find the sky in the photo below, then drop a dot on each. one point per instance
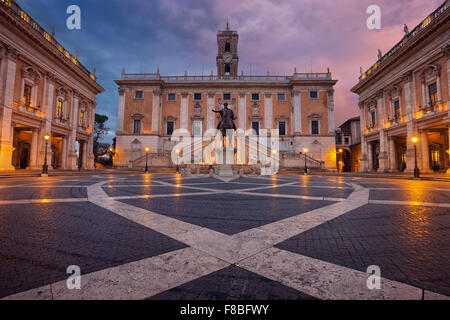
(274, 35)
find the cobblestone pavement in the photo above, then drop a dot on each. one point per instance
(287, 237)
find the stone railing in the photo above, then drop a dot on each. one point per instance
(186, 78)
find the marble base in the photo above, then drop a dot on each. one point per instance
(225, 170)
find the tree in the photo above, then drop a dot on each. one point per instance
(100, 130)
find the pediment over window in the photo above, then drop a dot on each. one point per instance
(61, 92)
(395, 90)
(431, 70)
(282, 119)
(136, 141)
(30, 73)
(170, 119)
(137, 116)
(315, 116)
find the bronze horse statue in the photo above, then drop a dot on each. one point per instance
(227, 119)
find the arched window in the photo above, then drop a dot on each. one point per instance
(227, 47)
(227, 68)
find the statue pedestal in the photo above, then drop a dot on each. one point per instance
(226, 157)
(225, 170)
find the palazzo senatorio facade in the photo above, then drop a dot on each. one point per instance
(405, 95)
(44, 90)
(152, 106)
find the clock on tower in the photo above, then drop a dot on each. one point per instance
(227, 57)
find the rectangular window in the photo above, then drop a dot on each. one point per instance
(338, 139)
(59, 109)
(27, 95)
(346, 140)
(313, 95)
(197, 96)
(171, 97)
(397, 109)
(197, 128)
(82, 115)
(139, 94)
(170, 127)
(281, 97)
(282, 128)
(137, 127)
(372, 118)
(432, 92)
(255, 126)
(227, 96)
(314, 127)
(255, 96)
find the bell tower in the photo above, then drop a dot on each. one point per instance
(227, 57)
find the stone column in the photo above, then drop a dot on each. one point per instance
(331, 125)
(448, 141)
(156, 112)
(383, 157)
(210, 105)
(363, 161)
(90, 164)
(84, 146)
(297, 112)
(425, 153)
(121, 112)
(370, 157)
(6, 138)
(446, 50)
(410, 127)
(48, 111)
(72, 138)
(184, 120)
(64, 153)
(242, 117)
(392, 155)
(268, 111)
(34, 150)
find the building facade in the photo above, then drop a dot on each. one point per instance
(44, 90)
(348, 145)
(152, 106)
(405, 94)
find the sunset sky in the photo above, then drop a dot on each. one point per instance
(275, 36)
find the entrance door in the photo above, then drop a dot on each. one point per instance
(436, 156)
(24, 155)
(401, 156)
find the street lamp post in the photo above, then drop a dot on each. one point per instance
(416, 169)
(341, 160)
(305, 151)
(111, 152)
(146, 159)
(45, 166)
